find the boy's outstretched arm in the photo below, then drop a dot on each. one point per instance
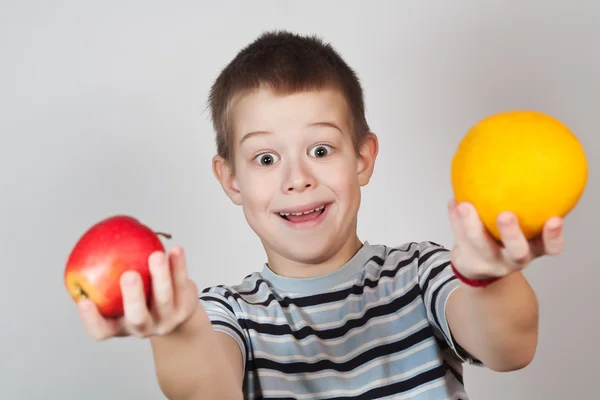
(497, 324)
(197, 362)
(192, 360)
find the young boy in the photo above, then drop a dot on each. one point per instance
(329, 316)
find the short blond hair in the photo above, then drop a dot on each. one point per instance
(285, 63)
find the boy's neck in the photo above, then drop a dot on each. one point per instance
(294, 269)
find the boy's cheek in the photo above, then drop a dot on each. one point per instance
(257, 190)
(343, 177)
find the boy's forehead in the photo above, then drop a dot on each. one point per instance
(265, 109)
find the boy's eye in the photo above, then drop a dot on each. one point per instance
(266, 159)
(320, 151)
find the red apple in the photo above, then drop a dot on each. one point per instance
(109, 248)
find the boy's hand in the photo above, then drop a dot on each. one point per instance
(477, 255)
(174, 301)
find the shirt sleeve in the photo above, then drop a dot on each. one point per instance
(223, 311)
(437, 282)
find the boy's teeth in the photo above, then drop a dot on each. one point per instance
(305, 212)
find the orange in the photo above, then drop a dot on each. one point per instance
(526, 162)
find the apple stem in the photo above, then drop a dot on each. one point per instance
(167, 235)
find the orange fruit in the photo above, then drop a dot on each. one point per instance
(526, 162)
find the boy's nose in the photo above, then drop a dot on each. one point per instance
(299, 178)
(299, 187)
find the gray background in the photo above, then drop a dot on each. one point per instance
(102, 111)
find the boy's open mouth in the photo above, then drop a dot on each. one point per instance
(304, 216)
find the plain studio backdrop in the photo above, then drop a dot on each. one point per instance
(103, 111)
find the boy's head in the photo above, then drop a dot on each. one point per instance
(291, 137)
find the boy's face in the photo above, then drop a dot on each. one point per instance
(294, 154)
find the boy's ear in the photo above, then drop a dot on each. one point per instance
(366, 158)
(226, 178)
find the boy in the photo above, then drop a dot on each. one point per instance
(329, 316)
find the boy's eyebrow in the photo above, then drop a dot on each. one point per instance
(324, 124)
(254, 133)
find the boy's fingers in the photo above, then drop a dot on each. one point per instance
(162, 286)
(516, 247)
(186, 291)
(97, 326)
(179, 272)
(455, 222)
(553, 237)
(137, 315)
(475, 232)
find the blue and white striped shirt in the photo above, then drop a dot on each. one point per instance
(375, 328)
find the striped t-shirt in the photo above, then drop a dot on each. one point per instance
(375, 328)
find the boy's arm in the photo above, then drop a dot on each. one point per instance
(196, 362)
(192, 359)
(497, 324)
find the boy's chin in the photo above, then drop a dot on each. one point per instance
(308, 251)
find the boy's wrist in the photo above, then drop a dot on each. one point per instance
(193, 326)
(197, 322)
(479, 282)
